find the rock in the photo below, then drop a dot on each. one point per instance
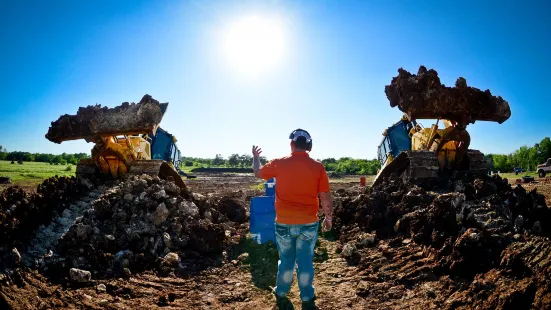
(244, 258)
(170, 202)
(366, 239)
(110, 237)
(83, 231)
(197, 196)
(172, 189)
(172, 259)
(208, 215)
(128, 197)
(16, 256)
(101, 288)
(349, 250)
(519, 221)
(160, 215)
(86, 297)
(189, 208)
(126, 272)
(160, 194)
(362, 289)
(79, 275)
(167, 240)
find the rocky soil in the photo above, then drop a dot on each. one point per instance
(139, 244)
(482, 240)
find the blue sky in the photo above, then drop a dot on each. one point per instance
(339, 55)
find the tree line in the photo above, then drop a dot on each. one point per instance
(233, 161)
(526, 157)
(345, 165)
(61, 159)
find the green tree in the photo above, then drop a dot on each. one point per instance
(3, 153)
(246, 160)
(234, 160)
(218, 160)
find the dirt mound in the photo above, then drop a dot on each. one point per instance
(474, 229)
(144, 223)
(22, 212)
(520, 281)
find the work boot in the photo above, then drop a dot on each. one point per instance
(283, 303)
(309, 305)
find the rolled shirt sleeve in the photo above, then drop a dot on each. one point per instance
(269, 170)
(323, 185)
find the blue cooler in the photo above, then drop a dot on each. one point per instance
(262, 219)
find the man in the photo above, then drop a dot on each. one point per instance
(299, 180)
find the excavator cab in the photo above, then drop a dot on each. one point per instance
(164, 147)
(396, 139)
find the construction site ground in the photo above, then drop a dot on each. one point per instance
(245, 281)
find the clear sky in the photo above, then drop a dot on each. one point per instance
(324, 68)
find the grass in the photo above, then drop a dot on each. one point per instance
(518, 176)
(32, 172)
(187, 169)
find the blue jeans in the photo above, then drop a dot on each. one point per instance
(295, 244)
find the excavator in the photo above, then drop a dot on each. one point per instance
(127, 140)
(417, 154)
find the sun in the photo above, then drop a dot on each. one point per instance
(254, 44)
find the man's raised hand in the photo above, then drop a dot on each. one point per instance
(256, 151)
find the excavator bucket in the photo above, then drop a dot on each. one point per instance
(422, 96)
(92, 121)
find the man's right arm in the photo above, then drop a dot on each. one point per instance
(325, 195)
(327, 205)
(256, 166)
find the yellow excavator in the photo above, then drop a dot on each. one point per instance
(416, 153)
(127, 140)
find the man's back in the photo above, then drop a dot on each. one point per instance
(299, 179)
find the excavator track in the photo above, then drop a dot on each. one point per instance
(415, 166)
(477, 163)
(411, 166)
(86, 168)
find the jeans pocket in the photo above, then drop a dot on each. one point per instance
(309, 232)
(282, 231)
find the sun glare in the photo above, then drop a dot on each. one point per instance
(254, 44)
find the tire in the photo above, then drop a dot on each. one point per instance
(541, 173)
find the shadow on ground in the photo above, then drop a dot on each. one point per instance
(262, 262)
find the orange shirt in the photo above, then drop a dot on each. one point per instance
(299, 179)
